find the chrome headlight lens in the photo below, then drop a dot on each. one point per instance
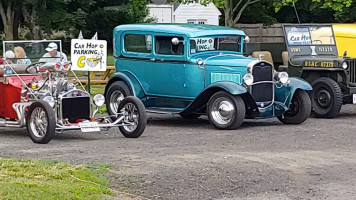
(199, 61)
(49, 100)
(99, 100)
(345, 65)
(248, 79)
(283, 77)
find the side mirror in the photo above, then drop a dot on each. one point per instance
(175, 41)
(247, 39)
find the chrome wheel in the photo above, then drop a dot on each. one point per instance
(39, 122)
(222, 110)
(131, 115)
(115, 99)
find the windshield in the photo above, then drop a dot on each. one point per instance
(205, 44)
(312, 35)
(27, 52)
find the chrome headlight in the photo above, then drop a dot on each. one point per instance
(49, 100)
(199, 61)
(345, 65)
(283, 77)
(248, 79)
(99, 100)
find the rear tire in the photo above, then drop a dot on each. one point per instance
(299, 109)
(326, 97)
(41, 122)
(134, 112)
(226, 111)
(115, 94)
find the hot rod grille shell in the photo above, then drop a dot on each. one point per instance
(76, 108)
(262, 92)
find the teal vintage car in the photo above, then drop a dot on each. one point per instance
(193, 70)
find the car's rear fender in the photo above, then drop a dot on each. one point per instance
(199, 104)
(130, 80)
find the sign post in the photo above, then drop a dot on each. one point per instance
(88, 55)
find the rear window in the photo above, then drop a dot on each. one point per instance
(138, 43)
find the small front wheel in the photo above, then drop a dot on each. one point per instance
(134, 113)
(41, 122)
(226, 111)
(299, 109)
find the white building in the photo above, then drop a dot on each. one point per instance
(162, 13)
(193, 13)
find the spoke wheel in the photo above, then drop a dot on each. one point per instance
(41, 122)
(134, 114)
(115, 95)
(226, 111)
(326, 97)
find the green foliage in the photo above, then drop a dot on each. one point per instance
(338, 6)
(30, 179)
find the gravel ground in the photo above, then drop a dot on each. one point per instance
(189, 159)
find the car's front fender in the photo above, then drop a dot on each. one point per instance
(233, 88)
(285, 93)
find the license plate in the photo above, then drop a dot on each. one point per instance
(354, 98)
(89, 126)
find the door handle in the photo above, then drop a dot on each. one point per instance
(152, 59)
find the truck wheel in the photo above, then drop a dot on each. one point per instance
(226, 111)
(134, 112)
(41, 122)
(115, 94)
(326, 97)
(299, 109)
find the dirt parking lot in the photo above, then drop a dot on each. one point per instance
(188, 159)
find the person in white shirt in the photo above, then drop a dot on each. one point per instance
(53, 55)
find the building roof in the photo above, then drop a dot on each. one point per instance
(197, 9)
(190, 30)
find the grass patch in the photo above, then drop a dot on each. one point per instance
(31, 179)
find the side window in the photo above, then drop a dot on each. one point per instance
(138, 43)
(165, 46)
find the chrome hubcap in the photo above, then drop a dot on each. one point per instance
(131, 115)
(222, 111)
(115, 99)
(39, 122)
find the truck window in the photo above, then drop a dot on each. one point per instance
(138, 43)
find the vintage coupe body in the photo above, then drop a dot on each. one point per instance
(192, 70)
(38, 95)
(313, 56)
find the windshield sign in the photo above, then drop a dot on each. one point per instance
(204, 44)
(313, 35)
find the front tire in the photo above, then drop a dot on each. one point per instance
(326, 97)
(133, 112)
(115, 94)
(41, 122)
(299, 109)
(226, 111)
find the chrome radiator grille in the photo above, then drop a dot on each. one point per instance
(262, 92)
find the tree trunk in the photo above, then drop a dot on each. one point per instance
(7, 16)
(228, 13)
(30, 17)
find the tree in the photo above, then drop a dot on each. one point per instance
(233, 9)
(7, 12)
(338, 6)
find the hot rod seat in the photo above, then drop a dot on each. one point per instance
(19, 68)
(267, 55)
(285, 58)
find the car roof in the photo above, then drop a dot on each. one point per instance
(190, 30)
